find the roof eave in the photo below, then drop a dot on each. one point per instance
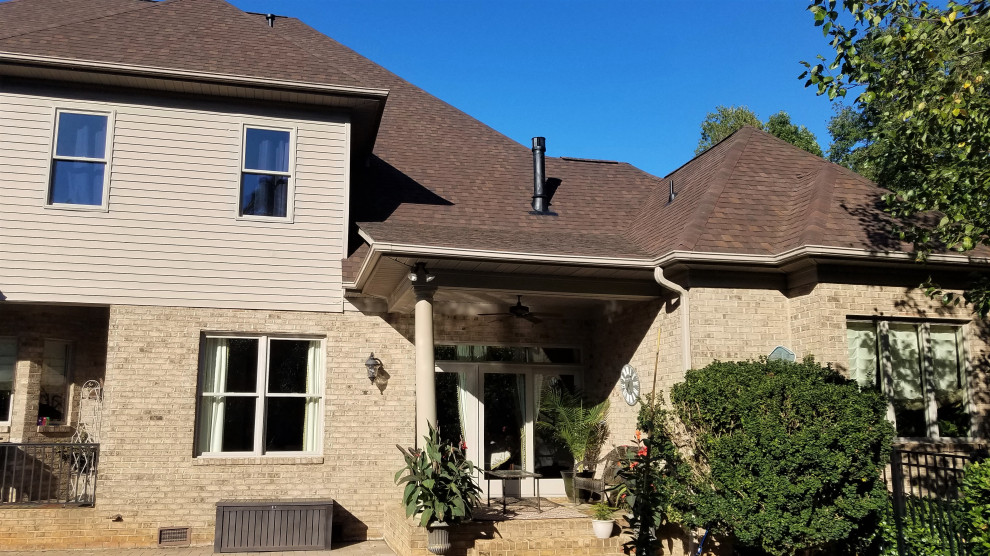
(367, 104)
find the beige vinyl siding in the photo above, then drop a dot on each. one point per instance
(171, 235)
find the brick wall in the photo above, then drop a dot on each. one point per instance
(148, 473)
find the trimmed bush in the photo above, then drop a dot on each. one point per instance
(974, 508)
(790, 454)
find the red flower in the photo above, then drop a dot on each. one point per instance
(642, 451)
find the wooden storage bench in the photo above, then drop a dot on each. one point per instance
(273, 525)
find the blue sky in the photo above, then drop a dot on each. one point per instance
(622, 80)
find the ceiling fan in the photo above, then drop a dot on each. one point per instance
(519, 311)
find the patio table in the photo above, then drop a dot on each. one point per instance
(511, 474)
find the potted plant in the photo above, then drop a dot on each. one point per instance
(440, 488)
(602, 521)
(576, 424)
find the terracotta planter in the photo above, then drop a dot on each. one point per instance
(438, 538)
(603, 527)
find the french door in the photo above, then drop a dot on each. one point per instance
(492, 409)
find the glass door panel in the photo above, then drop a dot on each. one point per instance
(550, 456)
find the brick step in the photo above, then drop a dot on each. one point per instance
(583, 545)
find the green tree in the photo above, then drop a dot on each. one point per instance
(921, 72)
(779, 125)
(725, 120)
(850, 144)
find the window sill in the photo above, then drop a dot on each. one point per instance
(259, 460)
(4, 429)
(82, 208)
(56, 429)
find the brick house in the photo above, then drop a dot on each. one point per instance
(219, 217)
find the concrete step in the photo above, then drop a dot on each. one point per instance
(584, 545)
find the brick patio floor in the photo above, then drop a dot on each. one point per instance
(364, 548)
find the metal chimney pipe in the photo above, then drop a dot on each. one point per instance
(539, 174)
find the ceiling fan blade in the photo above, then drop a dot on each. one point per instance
(531, 318)
(547, 315)
(493, 314)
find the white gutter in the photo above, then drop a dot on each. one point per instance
(168, 73)
(465, 253)
(685, 315)
(806, 251)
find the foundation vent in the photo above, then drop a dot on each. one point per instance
(173, 536)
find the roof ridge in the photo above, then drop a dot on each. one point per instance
(694, 229)
(285, 37)
(399, 80)
(137, 6)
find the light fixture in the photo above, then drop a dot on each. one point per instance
(420, 274)
(373, 364)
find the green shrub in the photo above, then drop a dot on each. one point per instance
(791, 454)
(974, 508)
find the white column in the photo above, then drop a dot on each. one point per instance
(426, 390)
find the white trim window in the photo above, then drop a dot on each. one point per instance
(53, 399)
(8, 359)
(266, 173)
(260, 395)
(921, 367)
(79, 176)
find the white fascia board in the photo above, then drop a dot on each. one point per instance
(168, 73)
(379, 248)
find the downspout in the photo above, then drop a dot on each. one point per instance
(685, 314)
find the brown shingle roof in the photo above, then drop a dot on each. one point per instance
(439, 177)
(192, 35)
(756, 194)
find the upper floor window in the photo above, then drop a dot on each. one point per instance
(260, 395)
(8, 358)
(266, 173)
(925, 382)
(79, 162)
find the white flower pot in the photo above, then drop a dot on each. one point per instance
(603, 527)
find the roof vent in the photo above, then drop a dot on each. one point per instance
(541, 202)
(670, 197)
(270, 18)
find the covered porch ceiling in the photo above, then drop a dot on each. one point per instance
(471, 288)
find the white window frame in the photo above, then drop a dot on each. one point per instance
(884, 371)
(104, 206)
(261, 394)
(67, 392)
(290, 189)
(6, 420)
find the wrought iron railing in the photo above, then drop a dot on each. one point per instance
(52, 473)
(926, 489)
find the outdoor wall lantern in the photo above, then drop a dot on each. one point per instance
(374, 365)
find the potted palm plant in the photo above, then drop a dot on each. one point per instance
(440, 488)
(575, 423)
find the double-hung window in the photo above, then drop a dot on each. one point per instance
(8, 358)
(260, 395)
(921, 368)
(79, 174)
(266, 173)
